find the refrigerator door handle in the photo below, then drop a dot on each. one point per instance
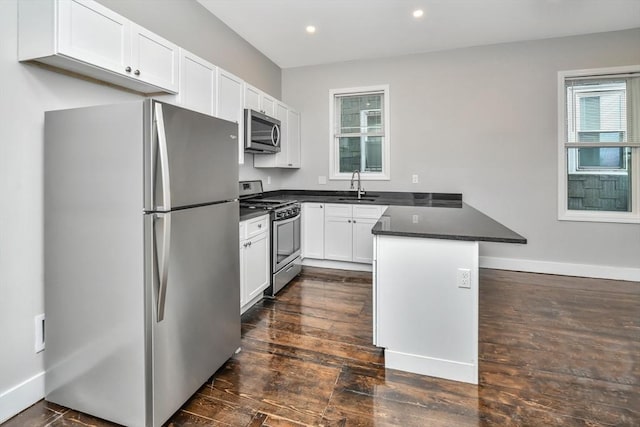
(164, 158)
(163, 265)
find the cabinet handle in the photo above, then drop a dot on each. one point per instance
(136, 72)
(128, 69)
(249, 243)
(259, 225)
(321, 206)
(349, 221)
(354, 221)
(290, 164)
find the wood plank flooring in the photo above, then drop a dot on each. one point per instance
(554, 351)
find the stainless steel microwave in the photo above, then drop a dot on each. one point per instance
(261, 133)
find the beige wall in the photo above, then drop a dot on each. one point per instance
(480, 121)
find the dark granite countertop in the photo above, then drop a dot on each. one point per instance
(462, 223)
(386, 198)
(426, 215)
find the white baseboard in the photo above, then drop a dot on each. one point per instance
(20, 397)
(434, 367)
(562, 268)
(339, 265)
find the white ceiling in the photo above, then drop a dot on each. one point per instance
(358, 29)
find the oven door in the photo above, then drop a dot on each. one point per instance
(286, 241)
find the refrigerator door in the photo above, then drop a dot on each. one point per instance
(194, 317)
(191, 158)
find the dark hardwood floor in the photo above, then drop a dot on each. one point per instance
(554, 351)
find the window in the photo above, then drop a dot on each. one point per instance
(359, 129)
(599, 137)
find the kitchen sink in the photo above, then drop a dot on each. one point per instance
(355, 199)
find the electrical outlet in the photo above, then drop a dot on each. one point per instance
(464, 278)
(268, 180)
(39, 333)
(414, 178)
(322, 180)
(415, 219)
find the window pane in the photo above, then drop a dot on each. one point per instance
(596, 110)
(349, 154)
(607, 158)
(359, 113)
(360, 153)
(598, 190)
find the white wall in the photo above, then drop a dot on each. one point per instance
(479, 121)
(26, 91)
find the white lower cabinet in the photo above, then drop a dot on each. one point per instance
(347, 232)
(313, 230)
(254, 260)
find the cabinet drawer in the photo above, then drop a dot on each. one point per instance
(368, 211)
(257, 226)
(344, 211)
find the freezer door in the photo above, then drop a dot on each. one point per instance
(191, 158)
(194, 315)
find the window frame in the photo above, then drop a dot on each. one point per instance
(334, 151)
(564, 160)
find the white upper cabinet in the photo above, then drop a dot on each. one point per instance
(289, 155)
(293, 139)
(252, 97)
(198, 84)
(258, 100)
(87, 38)
(229, 105)
(154, 59)
(94, 34)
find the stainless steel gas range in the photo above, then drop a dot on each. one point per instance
(286, 262)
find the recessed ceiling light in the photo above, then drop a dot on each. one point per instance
(418, 13)
(311, 29)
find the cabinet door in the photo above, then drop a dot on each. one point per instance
(229, 105)
(337, 238)
(363, 239)
(313, 230)
(256, 264)
(293, 139)
(252, 98)
(281, 113)
(154, 60)
(197, 83)
(268, 105)
(94, 34)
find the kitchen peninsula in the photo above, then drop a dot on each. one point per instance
(424, 250)
(425, 278)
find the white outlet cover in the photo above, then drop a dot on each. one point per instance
(414, 178)
(322, 180)
(463, 278)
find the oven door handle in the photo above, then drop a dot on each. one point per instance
(286, 221)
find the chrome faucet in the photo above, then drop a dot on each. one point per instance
(360, 189)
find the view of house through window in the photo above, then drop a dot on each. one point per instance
(601, 135)
(359, 132)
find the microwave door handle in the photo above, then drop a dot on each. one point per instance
(276, 130)
(164, 159)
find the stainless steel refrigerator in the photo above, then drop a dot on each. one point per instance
(141, 274)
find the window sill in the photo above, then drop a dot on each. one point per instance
(600, 216)
(363, 177)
